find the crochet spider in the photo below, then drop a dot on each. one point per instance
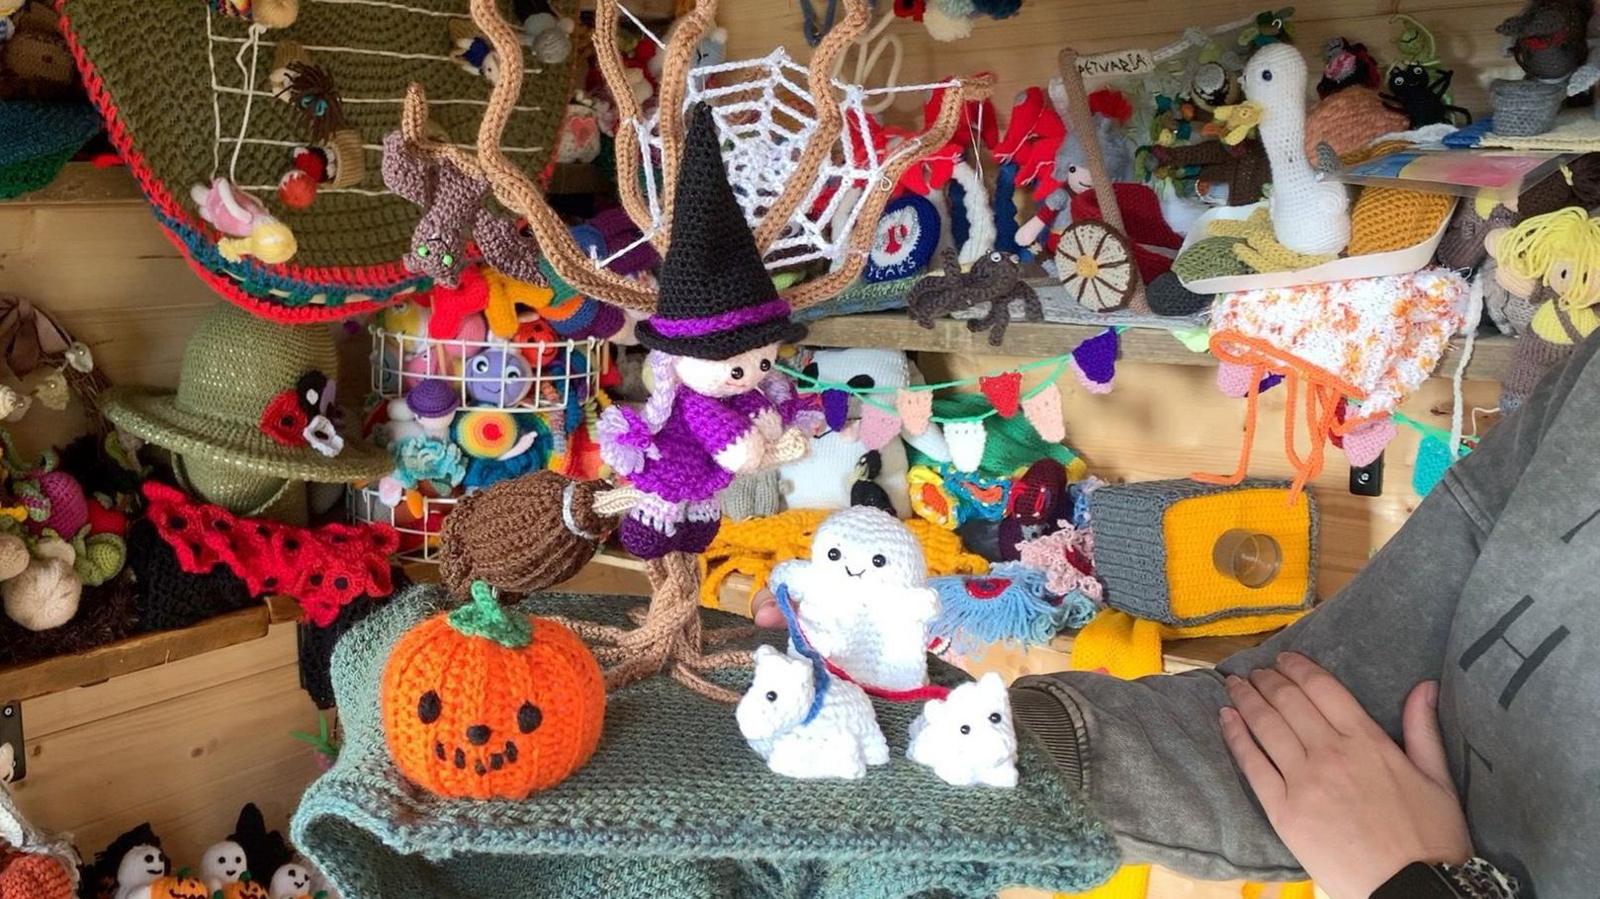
(1420, 97)
(995, 279)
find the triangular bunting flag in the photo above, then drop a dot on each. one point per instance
(915, 408)
(878, 426)
(1095, 361)
(966, 440)
(1004, 391)
(836, 408)
(1043, 411)
(1365, 444)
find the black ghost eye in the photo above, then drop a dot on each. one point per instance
(428, 707)
(878, 561)
(862, 382)
(766, 365)
(994, 717)
(222, 859)
(772, 696)
(966, 729)
(529, 718)
(149, 859)
(811, 371)
(834, 555)
(1266, 74)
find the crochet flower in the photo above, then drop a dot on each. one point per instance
(422, 458)
(1067, 559)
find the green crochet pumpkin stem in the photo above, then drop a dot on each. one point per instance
(484, 617)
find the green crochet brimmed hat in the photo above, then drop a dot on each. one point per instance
(252, 395)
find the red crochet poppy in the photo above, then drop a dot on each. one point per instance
(284, 421)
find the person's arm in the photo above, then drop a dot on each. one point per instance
(1150, 753)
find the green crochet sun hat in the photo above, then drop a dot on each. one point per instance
(236, 368)
(675, 804)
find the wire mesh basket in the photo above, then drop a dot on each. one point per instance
(419, 524)
(535, 376)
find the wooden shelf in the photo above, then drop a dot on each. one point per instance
(1491, 354)
(44, 676)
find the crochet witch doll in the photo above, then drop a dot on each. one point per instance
(718, 407)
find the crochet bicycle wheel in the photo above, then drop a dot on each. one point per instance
(1096, 266)
(187, 95)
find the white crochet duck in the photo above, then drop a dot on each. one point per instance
(864, 600)
(1309, 215)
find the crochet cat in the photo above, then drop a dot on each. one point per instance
(865, 603)
(968, 738)
(800, 735)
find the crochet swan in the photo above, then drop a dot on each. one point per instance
(1309, 215)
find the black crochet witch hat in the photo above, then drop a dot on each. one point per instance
(717, 299)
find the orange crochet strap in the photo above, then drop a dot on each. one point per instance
(1325, 390)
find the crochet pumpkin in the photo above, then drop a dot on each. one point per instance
(488, 703)
(30, 876)
(243, 888)
(179, 886)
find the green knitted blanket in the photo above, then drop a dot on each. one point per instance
(674, 804)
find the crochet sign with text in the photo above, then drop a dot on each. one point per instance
(886, 411)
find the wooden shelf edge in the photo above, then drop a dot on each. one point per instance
(1491, 355)
(34, 679)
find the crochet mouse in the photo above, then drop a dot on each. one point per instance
(968, 738)
(865, 603)
(718, 407)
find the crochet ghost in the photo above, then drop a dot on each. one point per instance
(290, 881)
(140, 867)
(864, 599)
(223, 863)
(968, 738)
(807, 723)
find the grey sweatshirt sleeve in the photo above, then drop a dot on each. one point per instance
(1150, 754)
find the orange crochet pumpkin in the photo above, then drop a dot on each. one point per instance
(484, 703)
(244, 888)
(30, 876)
(179, 886)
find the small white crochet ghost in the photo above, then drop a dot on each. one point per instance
(290, 881)
(782, 721)
(223, 863)
(864, 599)
(967, 738)
(139, 868)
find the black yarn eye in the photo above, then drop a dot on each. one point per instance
(966, 729)
(177, 522)
(737, 373)
(862, 382)
(772, 696)
(994, 717)
(834, 555)
(529, 718)
(429, 707)
(341, 583)
(878, 561)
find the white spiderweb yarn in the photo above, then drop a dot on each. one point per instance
(765, 117)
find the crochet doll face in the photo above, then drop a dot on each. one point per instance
(727, 377)
(140, 866)
(223, 863)
(866, 549)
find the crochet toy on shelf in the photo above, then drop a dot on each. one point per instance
(827, 478)
(806, 723)
(1309, 215)
(864, 598)
(716, 409)
(1547, 259)
(134, 866)
(34, 864)
(968, 738)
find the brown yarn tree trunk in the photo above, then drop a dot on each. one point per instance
(668, 637)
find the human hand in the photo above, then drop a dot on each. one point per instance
(1352, 806)
(764, 610)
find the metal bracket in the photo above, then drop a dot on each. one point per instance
(13, 760)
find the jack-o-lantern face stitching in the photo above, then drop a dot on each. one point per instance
(429, 707)
(529, 718)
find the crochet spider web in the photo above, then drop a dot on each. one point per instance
(765, 117)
